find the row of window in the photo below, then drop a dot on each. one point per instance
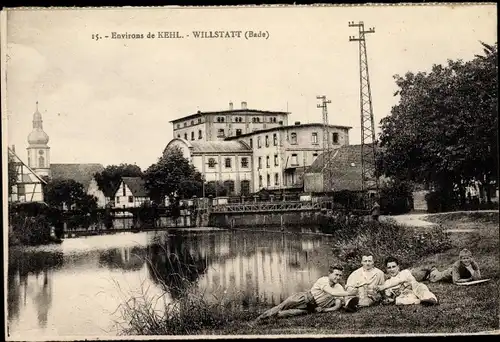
(240, 119)
(268, 164)
(200, 135)
(186, 123)
(293, 139)
(259, 142)
(227, 163)
(268, 178)
(229, 186)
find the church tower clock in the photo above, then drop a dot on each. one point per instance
(38, 151)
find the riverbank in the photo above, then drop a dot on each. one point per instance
(461, 309)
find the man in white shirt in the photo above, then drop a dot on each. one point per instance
(325, 295)
(402, 287)
(364, 281)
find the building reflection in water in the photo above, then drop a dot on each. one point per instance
(248, 268)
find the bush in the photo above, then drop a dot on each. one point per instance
(385, 239)
(440, 201)
(29, 230)
(396, 198)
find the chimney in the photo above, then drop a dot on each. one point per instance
(297, 123)
(243, 105)
(230, 106)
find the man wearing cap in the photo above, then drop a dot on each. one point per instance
(325, 295)
(463, 270)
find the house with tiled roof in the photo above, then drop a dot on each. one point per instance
(343, 166)
(28, 185)
(131, 193)
(83, 174)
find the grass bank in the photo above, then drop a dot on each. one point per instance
(461, 309)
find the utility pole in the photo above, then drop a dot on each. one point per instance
(368, 149)
(327, 186)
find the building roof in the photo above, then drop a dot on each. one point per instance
(229, 111)
(344, 165)
(279, 128)
(218, 146)
(81, 173)
(136, 186)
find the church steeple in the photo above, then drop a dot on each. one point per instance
(38, 151)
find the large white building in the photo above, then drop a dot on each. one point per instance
(247, 150)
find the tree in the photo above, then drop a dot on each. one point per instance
(444, 131)
(109, 179)
(173, 175)
(69, 192)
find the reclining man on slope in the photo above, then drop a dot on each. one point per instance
(402, 288)
(325, 295)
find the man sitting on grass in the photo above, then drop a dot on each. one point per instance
(462, 271)
(364, 281)
(325, 295)
(402, 288)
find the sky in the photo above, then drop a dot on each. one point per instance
(110, 101)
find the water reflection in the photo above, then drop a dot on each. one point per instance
(73, 288)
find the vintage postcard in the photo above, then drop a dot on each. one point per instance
(250, 171)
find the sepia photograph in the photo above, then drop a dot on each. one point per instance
(250, 171)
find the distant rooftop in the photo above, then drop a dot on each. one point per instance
(243, 111)
(276, 128)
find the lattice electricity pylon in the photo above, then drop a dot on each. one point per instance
(368, 149)
(327, 186)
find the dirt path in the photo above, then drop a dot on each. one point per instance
(419, 220)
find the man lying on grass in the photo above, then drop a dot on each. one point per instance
(402, 288)
(364, 280)
(462, 271)
(325, 295)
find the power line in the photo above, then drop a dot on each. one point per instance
(369, 180)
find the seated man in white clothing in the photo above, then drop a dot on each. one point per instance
(364, 281)
(402, 288)
(325, 295)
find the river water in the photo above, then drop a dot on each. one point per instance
(77, 288)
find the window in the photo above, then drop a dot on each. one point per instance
(227, 162)
(185, 124)
(41, 161)
(211, 163)
(130, 199)
(124, 190)
(192, 135)
(275, 139)
(238, 119)
(117, 199)
(21, 189)
(293, 138)
(178, 136)
(276, 179)
(178, 126)
(200, 135)
(314, 138)
(255, 119)
(244, 162)
(294, 160)
(268, 180)
(260, 181)
(267, 141)
(275, 160)
(192, 123)
(315, 155)
(251, 143)
(199, 120)
(238, 132)
(260, 163)
(220, 133)
(267, 161)
(229, 186)
(220, 119)
(259, 145)
(185, 136)
(245, 187)
(335, 138)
